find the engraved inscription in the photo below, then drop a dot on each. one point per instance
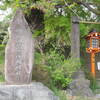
(19, 51)
(19, 45)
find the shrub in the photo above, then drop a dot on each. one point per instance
(62, 76)
(59, 68)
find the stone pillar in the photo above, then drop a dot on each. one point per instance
(75, 38)
(19, 51)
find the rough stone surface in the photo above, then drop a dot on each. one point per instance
(79, 74)
(19, 51)
(33, 91)
(80, 86)
(97, 96)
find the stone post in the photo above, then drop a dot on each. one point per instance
(75, 38)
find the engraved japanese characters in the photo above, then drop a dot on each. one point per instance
(19, 51)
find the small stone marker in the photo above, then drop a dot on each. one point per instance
(19, 51)
(98, 65)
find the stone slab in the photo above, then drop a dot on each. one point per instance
(33, 91)
(19, 51)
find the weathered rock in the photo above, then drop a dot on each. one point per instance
(33, 91)
(80, 87)
(97, 96)
(19, 51)
(78, 74)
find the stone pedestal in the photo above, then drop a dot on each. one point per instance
(33, 91)
(80, 86)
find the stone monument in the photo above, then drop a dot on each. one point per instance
(19, 52)
(18, 65)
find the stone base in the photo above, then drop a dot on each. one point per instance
(33, 91)
(80, 86)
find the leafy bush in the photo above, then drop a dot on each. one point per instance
(59, 78)
(38, 58)
(59, 68)
(62, 76)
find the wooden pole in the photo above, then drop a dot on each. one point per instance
(93, 65)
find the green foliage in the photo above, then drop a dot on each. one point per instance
(54, 59)
(2, 53)
(93, 84)
(58, 30)
(62, 75)
(59, 93)
(38, 58)
(2, 78)
(59, 78)
(71, 65)
(93, 81)
(84, 29)
(57, 27)
(3, 31)
(60, 69)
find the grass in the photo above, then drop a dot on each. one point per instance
(64, 96)
(2, 53)
(61, 94)
(2, 78)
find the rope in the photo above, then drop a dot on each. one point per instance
(86, 22)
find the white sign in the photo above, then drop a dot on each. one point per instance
(98, 65)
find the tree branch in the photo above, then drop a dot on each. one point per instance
(66, 4)
(95, 11)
